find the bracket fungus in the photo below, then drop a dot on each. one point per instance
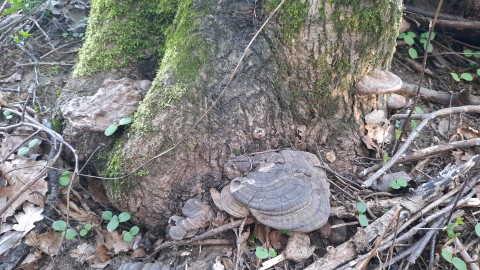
(378, 82)
(284, 190)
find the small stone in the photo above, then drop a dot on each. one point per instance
(395, 102)
(298, 247)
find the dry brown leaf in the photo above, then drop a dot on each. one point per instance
(261, 233)
(468, 132)
(83, 252)
(48, 242)
(278, 240)
(102, 253)
(98, 191)
(114, 241)
(20, 177)
(27, 218)
(138, 253)
(75, 212)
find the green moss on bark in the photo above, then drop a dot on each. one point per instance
(119, 32)
(185, 53)
(291, 16)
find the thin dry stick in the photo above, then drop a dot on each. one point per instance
(465, 256)
(18, 146)
(208, 234)
(422, 74)
(45, 34)
(379, 241)
(427, 152)
(411, 137)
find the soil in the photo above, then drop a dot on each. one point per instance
(52, 77)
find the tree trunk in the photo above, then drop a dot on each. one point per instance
(294, 86)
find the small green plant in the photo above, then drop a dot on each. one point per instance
(409, 39)
(286, 232)
(7, 114)
(16, 5)
(414, 123)
(398, 183)
(114, 221)
(263, 253)
(465, 76)
(451, 228)
(64, 178)
(61, 226)
(112, 128)
(26, 149)
(362, 218)
(457, 262)
(86, 229)
(386, 157)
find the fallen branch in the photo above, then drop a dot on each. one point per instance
(208, 234)
(426, 152)
(413, 134)
(411, 204)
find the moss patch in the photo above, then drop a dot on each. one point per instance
(121, 31)
(291, 16)
(185, 52)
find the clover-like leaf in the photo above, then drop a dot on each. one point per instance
(447, 255)
(468, 53)
(83, 232)
(455, 76)
(402, 182)
(361, 207)
(459, 263)
(467, 76)
(409, 40)
(125, 121)
(414, 124)
(64, 179)
(59, 225)
(88, 226)
(110, 130)
(272, 253)
(411, 34)
(124, 216)
(393, 184)
(127, 237)
(261, 253)
(363, 220)
(7, 113)
(113, 224)
(413, 53)
(107, 215)
(70, 234)
(418, 110)
(34, 143)
(134, 230)
(23, 151)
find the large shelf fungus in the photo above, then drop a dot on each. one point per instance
(284, 190)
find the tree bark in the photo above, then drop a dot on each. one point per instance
(295, 84)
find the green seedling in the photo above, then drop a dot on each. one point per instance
(457, 262)
(464, 76)
(386, 157)
(398, 183)
(362, 218)
(26, 149)
(477, 229)
(263, 253)
(114, 221)
(7, 114)
(86, 229)
(451, 228)
(112, 128)
(409, 39)
(64, 179)
(61, 226)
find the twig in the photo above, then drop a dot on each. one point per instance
(422, 75)
(465, 256)
(203, 236)
(60, 47)
(426, 152)
(45, 34)
(413, 134)
(45, 64)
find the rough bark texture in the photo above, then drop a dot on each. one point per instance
(295, 84)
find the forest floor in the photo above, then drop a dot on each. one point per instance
(38, 55)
